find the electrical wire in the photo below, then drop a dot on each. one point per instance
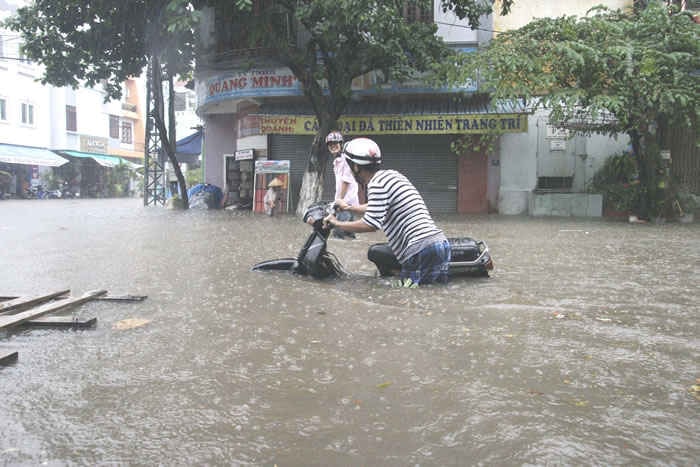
(463, 26)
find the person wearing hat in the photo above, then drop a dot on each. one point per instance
(395, 206)
(272, 195)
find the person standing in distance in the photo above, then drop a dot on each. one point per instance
(345, 184)
(272, 196)
(395, 206)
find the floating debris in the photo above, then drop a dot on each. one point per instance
(130, 323)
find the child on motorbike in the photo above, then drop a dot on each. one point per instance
(345, 184)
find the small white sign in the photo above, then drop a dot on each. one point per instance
(557, 145)
(246, 154)
(556, 133)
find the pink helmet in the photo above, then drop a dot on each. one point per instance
(334, 137)
(362, 151)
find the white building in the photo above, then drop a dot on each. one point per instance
(72, 130)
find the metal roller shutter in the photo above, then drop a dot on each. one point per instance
(429, 163)
(426, 160)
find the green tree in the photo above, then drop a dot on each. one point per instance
(103, 43)
(633, 72)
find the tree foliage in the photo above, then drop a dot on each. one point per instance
(474, 10)
(96, 43)
(633, 72)
(93, 42)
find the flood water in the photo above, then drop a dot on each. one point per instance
(582, 347)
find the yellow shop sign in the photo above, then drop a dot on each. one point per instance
(399, 125)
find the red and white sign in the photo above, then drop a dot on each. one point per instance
(252, 83)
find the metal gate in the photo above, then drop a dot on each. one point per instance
(555, 158)
(427, 161)
(685, 156)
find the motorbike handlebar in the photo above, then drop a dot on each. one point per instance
(315, 214)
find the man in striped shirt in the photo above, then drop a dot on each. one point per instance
(395, 206)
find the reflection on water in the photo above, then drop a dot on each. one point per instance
(581, 348)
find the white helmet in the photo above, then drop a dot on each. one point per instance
(362, 151)
(334, 137)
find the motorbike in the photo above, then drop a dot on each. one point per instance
(470, 257)
(38, 192)
(67, 192)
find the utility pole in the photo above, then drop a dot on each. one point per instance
(153, 173)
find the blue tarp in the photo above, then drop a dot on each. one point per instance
(190, 145)
(205, 196)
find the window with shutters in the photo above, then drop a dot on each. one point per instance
(71, 118)
(114, 126)
(27, 114)
(415, 14)
(127, 137)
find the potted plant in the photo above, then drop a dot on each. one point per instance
(617, 181)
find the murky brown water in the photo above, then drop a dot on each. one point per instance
(580, 349)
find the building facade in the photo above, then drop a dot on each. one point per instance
(546, 171)
(49, 133)
(262, 110)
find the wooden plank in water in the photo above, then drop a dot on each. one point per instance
(109, 298)
(8, 358)
(20, 303)
(19, 318)
(123, 298)
(61, 322)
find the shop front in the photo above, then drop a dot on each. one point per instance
(22, 169)
(265, 111)
(92, 175)
(419, 146)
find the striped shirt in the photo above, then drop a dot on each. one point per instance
(395, 206)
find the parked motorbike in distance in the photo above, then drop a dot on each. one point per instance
(53, 194)
(469, 257)
(36, 192)
(67, 192)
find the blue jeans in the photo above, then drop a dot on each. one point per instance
(429, 265)
(343, 216)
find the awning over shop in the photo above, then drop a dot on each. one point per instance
(103, 159)
(14, 154)
(189, 148)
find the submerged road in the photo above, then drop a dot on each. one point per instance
(581, 349)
